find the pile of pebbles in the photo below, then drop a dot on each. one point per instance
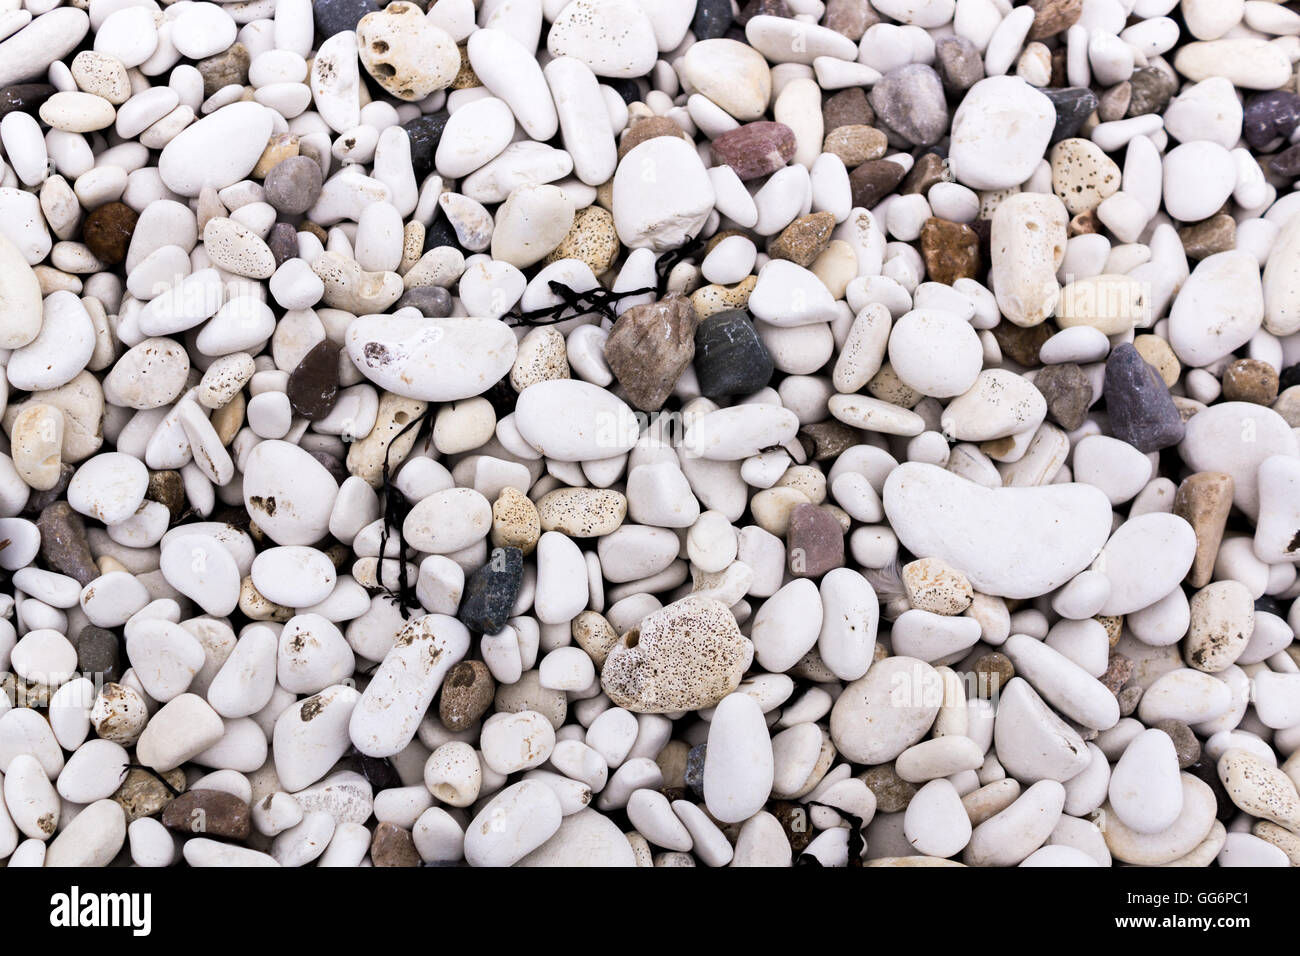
(650, 432)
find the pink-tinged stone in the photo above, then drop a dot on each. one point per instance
(815, 543)
(755, 149)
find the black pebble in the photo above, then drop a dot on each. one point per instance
(1290, 376)
(24, 97)
(625, 88)
(712, 19)
(1073, 105)
(490, 591)
(425, 132)
(695, 769)
(1268, 117)
(341, 16)
(1141, 410)
(729, 357)
(97, 653)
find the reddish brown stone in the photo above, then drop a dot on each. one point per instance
(1053, 16)
(755, 149)
(209, 813)
(392, 846)
(804, 239)
(815, 542)
(951, 250)
(1022, 344)
(874, 180)
(650, 347)
(107, 231)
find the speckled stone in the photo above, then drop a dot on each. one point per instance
(1268, 117)
(712, 19)
(230, 67)
(167, 488)
(755, 149)
(815, 541)
(888, 387)
(931, 585)
(804, 239)
(1204, 500)
(1186, 745)
(854, 145)
(1068, 391)
(891, 791)
(874, 180)
(714, 298)
(1209, 236)
(515, 523)
(98, 653)
(649, 127)
(910, 101)
(467, 693)
(491, 590)
(851, 18)
(582, 512)
(142, 794)
(649, 348)
(694, 775)
(314, 383)
(466, 78)
(1114, 625)
(729, 357)
(594, 634)
(951, 250)
(1250, 380)
(591, 239)
(958, 63)
(293, 185)
(107, 231)
(1118, 670)
(63, 543)
(848, 107)
(392, 845)
(211, 813)
(1138, 402)
(992, 673)
(1073, 104)
(1053, 16)
(826, 440)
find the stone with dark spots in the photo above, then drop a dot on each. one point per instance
(649, 348)
(393, 846)
(283, 243)
(755, 149)
(1068, 391)
(951, 250)
(712, 19)
(695, 769)
(63, 543)
(804, 239)
(293, 185)
(1073, 104)
(425, 132)
(341, 16)
(1141, 410)
(208, 813)
(910, 101)
(958, 63)
(466, 695)
(1268, 117)
(98, 653)
(434, 302)
(490, 591)
(848, 107)
(730, 359)
(143, 793)
(107, 231)
(874, 180)
(24, 97)
(815, 541)
(314, 384)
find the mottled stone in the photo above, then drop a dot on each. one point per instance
(1209, 236)
(210, 813)
(951, 250)
(891, 791)
(1186, 746)
(1138, 402)
(910, 101)
(650, 347)
(851, 18)
(467, 693)
(1053, 16)
(874, 180)
(1118, 670)
(314, 383)
(63, 543)
(815, 541)
(434, 302)
(958, 62)
(848, 107)
(649, 127)
(930, 168)
(143, 794)
(992, 673)
(167, 488)
(826, 440)
(1150, 90)
(855, 145)
(393, 846)
(1268, 117)
(1204, 500)
(107, 231)
(804, 239)
(729, 357)
(755, 149)
(491, 590)
(228, 68)
(515, 522)
(1073, 104)
(293, 185)
(762, 8)
(591, 239)
(694, 775)
(1021, 344)
(1250, 380)
(1068, 391)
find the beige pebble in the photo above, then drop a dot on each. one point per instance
(595, 635)
(366, 456)
(591, 239)
(933, 586)
(542, 357)
(1157, 352)
(37, 441)
(711, 299)
(515, 522)
(582, 512)
(772, 508)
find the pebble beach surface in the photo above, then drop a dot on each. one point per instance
(649, 433)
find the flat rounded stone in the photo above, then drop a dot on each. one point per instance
(218, 150)
(570, 420)
(438, 360)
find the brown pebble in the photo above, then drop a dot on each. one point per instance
(210, 813)
(851, 18)
(1129, 697)
(1204, 500)
(874, 180)
(804, 239)
(1113, 104)
(224, 69)
(848, 107)
(1068, 391)
(993, 671)
(1250, 380)
(815, 541)
(929, 169)
(793, 818)
(1205, 238)
(392, 846)
(107, 231)
(1022, 344)
(892, 792)
(1118, 670)
(166, 487)
(951, 250)
(755, 149)
(142, 794)
(1084, 224)
(317, 231)
(828, 439)
(64, 546)
(314, 384)
(466, 695)
(650, 127)
(1186, 745)
(283, 243)
(1114, 625)
(649, 348)
(1053, 16)
(466, 78)
(855, 144)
